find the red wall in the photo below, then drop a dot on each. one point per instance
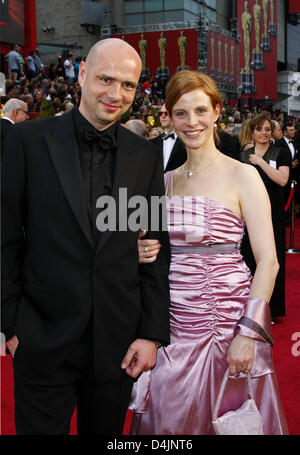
(294, 6)
(172, 50)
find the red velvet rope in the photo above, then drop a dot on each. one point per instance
(289, 199)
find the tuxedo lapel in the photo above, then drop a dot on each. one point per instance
(64, 152)
(128, 163)
(286, 147)
(159, 142)
(177, 157)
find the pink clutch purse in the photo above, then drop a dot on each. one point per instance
(244, 421)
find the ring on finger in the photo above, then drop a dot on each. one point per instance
(146, 249)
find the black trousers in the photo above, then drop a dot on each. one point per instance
(44, 406)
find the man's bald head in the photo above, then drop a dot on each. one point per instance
(110, 45)
(108, 79)
(137, 126)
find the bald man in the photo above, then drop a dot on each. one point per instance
(137, 126)
(82, 319)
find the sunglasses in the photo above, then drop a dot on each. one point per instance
(163, 113)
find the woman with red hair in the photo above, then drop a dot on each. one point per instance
(219, 316)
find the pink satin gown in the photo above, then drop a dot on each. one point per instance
(208, 294)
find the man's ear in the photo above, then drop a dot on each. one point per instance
(81, 73)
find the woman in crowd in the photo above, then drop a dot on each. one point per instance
(245, 136)
(272, 164)
(213, 297)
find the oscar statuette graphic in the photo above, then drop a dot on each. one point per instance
(213, 70)
(266, 45)
(247, 74)
(226, 79)
(220, 75)
(143, 44)
(182, 43)
(163, 70)
(257, 55)
(272, 25)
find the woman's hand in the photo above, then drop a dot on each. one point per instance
(240, 355)
(255, 159)
(148, 249)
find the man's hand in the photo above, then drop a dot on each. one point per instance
(141, 356)
(12, 345)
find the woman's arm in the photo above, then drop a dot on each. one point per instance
(279, 176)
(148, 249)
(256, 211)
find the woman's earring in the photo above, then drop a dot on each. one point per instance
(215, 125)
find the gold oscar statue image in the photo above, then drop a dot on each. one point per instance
(272, 25)
(257, 55)
(266, 45)
(163, 70)
(220, 72)
(247, 75)
(182, 44)
(213, 69)
(143, 44)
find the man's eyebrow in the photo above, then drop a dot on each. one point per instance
(107, 76)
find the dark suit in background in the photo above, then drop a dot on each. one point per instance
(178, 154)
(294, 172)
(229, 145)
(5, 126)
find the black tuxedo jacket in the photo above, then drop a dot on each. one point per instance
(178, 154)
(294, 172)
(53, 277)
(5, 126)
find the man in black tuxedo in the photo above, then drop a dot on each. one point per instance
(170, 146)
(288, 145)
(14, 111)
(81, 317)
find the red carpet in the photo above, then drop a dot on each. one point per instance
(286, 356)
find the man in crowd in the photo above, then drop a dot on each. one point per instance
(277, 133)
(14, 63)
(31, 68)
(69, 69)
(14, 111)
(171, 147)
(40, 67)
(287, 144)
(81, 317)
(137, 126)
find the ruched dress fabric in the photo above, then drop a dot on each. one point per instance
(208, 296)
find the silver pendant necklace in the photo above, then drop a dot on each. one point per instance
(189, 173)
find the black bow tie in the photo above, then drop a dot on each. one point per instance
(172, 135)
(291, 142)
(90, 135)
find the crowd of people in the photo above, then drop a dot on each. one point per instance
(83, 324)
(54, 90)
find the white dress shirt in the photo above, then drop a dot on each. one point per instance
(291, 146)
(9, 119)
(168, 145)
